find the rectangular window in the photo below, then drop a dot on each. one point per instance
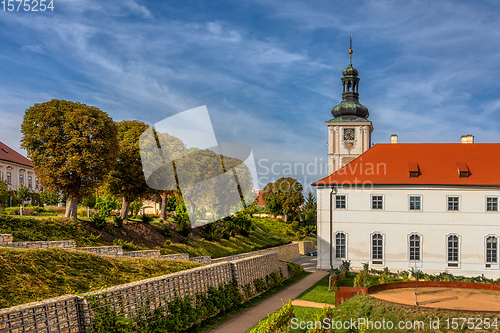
(377, 246)
(415, 202)
(415, 247)
(453, 203)
(453, 251)
(492, 204)
(9, 178)
(30, 182)
(491, 249)
(340, 245)
(340, 202)
(377, 202)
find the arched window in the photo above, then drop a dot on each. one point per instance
(340, 245)
(21, 180)
(453, 250)
(491, 249)
(414, 244)
(377, 246)
(9, 178)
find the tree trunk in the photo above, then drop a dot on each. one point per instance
(71, 208)
(125, 209)
(163, 211)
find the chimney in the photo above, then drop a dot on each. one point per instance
(469, 138)
(394, 138)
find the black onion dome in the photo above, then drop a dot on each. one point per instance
(350, 105)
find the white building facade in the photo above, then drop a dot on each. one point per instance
(432, 207)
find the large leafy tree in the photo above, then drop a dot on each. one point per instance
(127, 178)
(284, 196)
(72, 146)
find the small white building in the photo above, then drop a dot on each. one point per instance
(428, 206)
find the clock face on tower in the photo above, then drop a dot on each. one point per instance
(349, 134)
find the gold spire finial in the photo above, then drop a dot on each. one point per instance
(350, 50)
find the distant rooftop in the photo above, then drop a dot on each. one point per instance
(10, 155)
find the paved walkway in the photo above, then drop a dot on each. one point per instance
(309, 304)
(247, 319)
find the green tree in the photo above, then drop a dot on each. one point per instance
(72, 146)
(49, 198)
(284, 196)
(4, 193)
(309, 210)
(23, 193)
(127, 178)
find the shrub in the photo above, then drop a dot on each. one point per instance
(118, 221)
(146, 218)
(98, 221)
(25, 212)
(184, 228)
(294, 269)
(185, 241)
(276, 322)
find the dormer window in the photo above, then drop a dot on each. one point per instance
(414, 170)
(463, 170)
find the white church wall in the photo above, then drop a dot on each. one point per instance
(472, 223)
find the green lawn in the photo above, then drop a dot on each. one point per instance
(319, 293)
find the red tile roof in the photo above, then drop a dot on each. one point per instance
(437, 163)
(10, 155)
(260, 200)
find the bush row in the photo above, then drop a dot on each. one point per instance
(180, 314)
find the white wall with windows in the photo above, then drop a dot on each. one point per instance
(432, 228)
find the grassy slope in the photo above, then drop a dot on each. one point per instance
(47, 229)
(36, 274)
(225, 247)
(280, 229)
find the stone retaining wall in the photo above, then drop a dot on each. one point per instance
(68, 245)
(177, 256)
(205, 260)
(72, 314)
(5, 238)
(155, 254)
(112, 251)
(305, 247)
(287, 252)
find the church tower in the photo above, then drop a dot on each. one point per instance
(349, 132)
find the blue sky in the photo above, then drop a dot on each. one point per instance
(268, 71)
